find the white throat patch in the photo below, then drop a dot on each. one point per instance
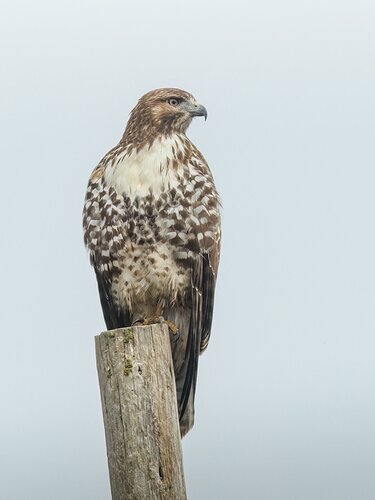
(149, 170)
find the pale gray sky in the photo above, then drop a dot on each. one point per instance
(286, 400)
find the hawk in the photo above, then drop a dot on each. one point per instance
(151, 224)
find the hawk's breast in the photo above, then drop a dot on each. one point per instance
(151, 183)
(152, 213)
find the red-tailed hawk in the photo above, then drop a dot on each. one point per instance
(152, 226)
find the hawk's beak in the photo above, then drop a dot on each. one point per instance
(195, 109)
(199, 110)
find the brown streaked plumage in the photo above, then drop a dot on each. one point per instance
(152, 226)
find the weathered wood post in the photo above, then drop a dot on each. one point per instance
(140, 414)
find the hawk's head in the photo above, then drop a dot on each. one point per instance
(162, 111)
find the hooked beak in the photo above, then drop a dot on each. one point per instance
(196, 109)
(199, 110)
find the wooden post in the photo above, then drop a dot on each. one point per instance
(140, 414)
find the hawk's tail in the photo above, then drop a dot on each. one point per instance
(185, 366)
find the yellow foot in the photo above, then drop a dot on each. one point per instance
(149, 321)
(157, 319)
(173, 328)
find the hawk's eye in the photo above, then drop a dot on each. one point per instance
(174, 101)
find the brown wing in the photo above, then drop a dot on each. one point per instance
(103, 236)
(210, 266)
(203, 282)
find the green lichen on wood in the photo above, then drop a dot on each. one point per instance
(128, 335)
(128, 366)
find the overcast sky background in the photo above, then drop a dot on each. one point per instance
(286, 402)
